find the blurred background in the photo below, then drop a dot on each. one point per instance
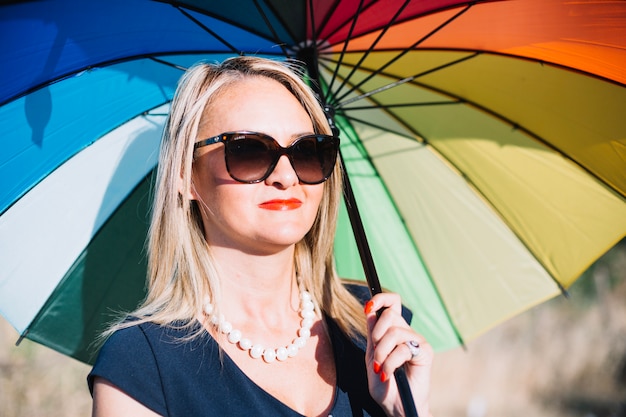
(566, 357)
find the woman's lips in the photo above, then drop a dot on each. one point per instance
(281, 205)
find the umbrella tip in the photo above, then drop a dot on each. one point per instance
(22, 337)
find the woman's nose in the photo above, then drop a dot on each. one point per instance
(283, 175)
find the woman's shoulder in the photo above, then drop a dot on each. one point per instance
(144, 358)
(139, 341)
(358, 289)
(148, 337)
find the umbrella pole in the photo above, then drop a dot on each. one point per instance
(373, 282)
(406, 396)
(359, 233)
(308, 56)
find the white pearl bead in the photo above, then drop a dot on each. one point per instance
(304, 332)
(292, 350)
(307, 323)
(307, 314)
(234, 336)
(305, 296)
(299, 342)
(308, 306)
(215, 320)
(208, 308)
(269, 355)
(245, 344)
(281, 354)
(256, 351)
(225, 327)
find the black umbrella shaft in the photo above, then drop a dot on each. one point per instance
(359, 233)
(308, 55)
(406, 396)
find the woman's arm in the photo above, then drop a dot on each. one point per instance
(110, 401)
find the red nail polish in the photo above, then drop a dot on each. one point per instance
(376, 367)
(383, 377)
(368, 306)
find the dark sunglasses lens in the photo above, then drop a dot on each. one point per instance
(249, 159)
(314, 157)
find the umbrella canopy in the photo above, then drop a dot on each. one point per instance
(485, 142)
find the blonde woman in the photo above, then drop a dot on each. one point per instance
(245, 315)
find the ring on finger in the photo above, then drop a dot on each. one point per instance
(414, 348)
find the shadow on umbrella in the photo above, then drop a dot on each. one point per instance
(107, 278)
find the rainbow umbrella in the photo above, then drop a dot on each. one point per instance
(485, 143)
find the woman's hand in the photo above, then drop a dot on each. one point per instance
(387, 350)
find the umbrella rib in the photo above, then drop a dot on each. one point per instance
(376, 126)
(209, 31)
(110, 62)
(345, 22)
(343, 51)
(169, 64)
(381, 128)
(415, 104)
(315, 41)
(403, 80)
(406, 50)
(313, 28)
(307, 54)
(271, 28)
(328, 15)
(370, 49)
(222, 17)
(417, 135)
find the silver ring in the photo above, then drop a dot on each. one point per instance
(414, 348)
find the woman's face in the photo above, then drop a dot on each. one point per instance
(257, 218)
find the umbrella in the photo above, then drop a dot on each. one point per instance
(484, 140)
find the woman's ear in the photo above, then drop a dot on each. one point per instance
(190, 194)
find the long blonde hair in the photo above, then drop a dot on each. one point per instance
(180, 268)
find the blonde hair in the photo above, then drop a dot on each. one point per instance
(180, 268)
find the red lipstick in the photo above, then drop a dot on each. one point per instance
(281, 205)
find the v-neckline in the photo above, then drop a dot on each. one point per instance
(229, 361)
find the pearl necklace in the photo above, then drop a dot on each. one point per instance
(234, 336)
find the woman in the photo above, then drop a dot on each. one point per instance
(245, 314)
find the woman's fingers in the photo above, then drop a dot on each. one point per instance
(393, 349)
(392, 343)
(385, 321)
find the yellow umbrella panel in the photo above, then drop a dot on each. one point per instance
(508, 190)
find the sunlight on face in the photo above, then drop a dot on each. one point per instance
(270, 215)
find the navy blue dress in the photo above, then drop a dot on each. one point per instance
(178, 378)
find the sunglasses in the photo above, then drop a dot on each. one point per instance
(251, 157)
